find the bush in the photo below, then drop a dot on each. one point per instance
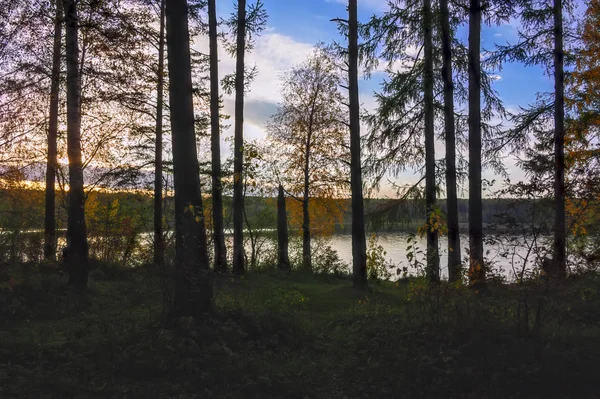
(377, 265)
(114, 230)
(107, 271)
(17, 246)
(326, 260)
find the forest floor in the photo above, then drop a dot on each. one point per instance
(277, 335)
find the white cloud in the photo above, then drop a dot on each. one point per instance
(399, 65)
(373, 5)
(395, 66)
(273, 54)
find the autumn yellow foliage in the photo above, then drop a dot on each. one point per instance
(582, 142)
(325, 214)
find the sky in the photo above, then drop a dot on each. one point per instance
(295, 26)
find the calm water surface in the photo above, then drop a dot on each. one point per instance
(508, 255)
(505, 253)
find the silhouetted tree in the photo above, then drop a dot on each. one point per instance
(50, 239)
(77, 245)
(244, 24)
(406, 104)
(542, 42)
(220, 259)
(433, 259)
(560, 230)
(238, 161)
(283, 260)
(454, 250)
(359, 244)
(193, 291)
(159, 240)
(476, 265)
(27, 63)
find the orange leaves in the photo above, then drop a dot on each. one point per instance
(576, 211)
(582, 141)
(309, 136)
(585, 79)
(435, 222)
(325, 214)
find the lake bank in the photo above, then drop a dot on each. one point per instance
(506, 254)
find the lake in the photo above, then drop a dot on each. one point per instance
(505, 252)
(508, 254)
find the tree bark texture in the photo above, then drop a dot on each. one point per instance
(359, 245)
(50, 239)
(220, 258)
(193, 291)
(238, 145)
(76, 253)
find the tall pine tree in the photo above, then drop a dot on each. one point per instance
(193, 290)
(77, 245)
(220, 258)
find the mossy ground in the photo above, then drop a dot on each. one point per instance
(277, 335)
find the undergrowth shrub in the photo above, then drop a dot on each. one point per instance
(18, 246)
(378, 267)
(326, 260)
(30, 290)
(108, 271)
(265, 259)
(114, 230)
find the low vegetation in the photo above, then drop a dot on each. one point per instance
(296, 335)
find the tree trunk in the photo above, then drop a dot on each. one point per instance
(476, 266)
(220, 259)
(306, 255)
(282, 232)
(454, 259)
(238, 160)
(193, 291)
(50, 240)
(559, 144)
(159, 243)
(359, 244)
(433, 261)
(253, 246)
(77, 245)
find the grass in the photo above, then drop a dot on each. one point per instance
(296, 335)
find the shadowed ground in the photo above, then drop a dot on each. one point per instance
(298, 336)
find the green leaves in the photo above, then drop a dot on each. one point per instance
(378, 267)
